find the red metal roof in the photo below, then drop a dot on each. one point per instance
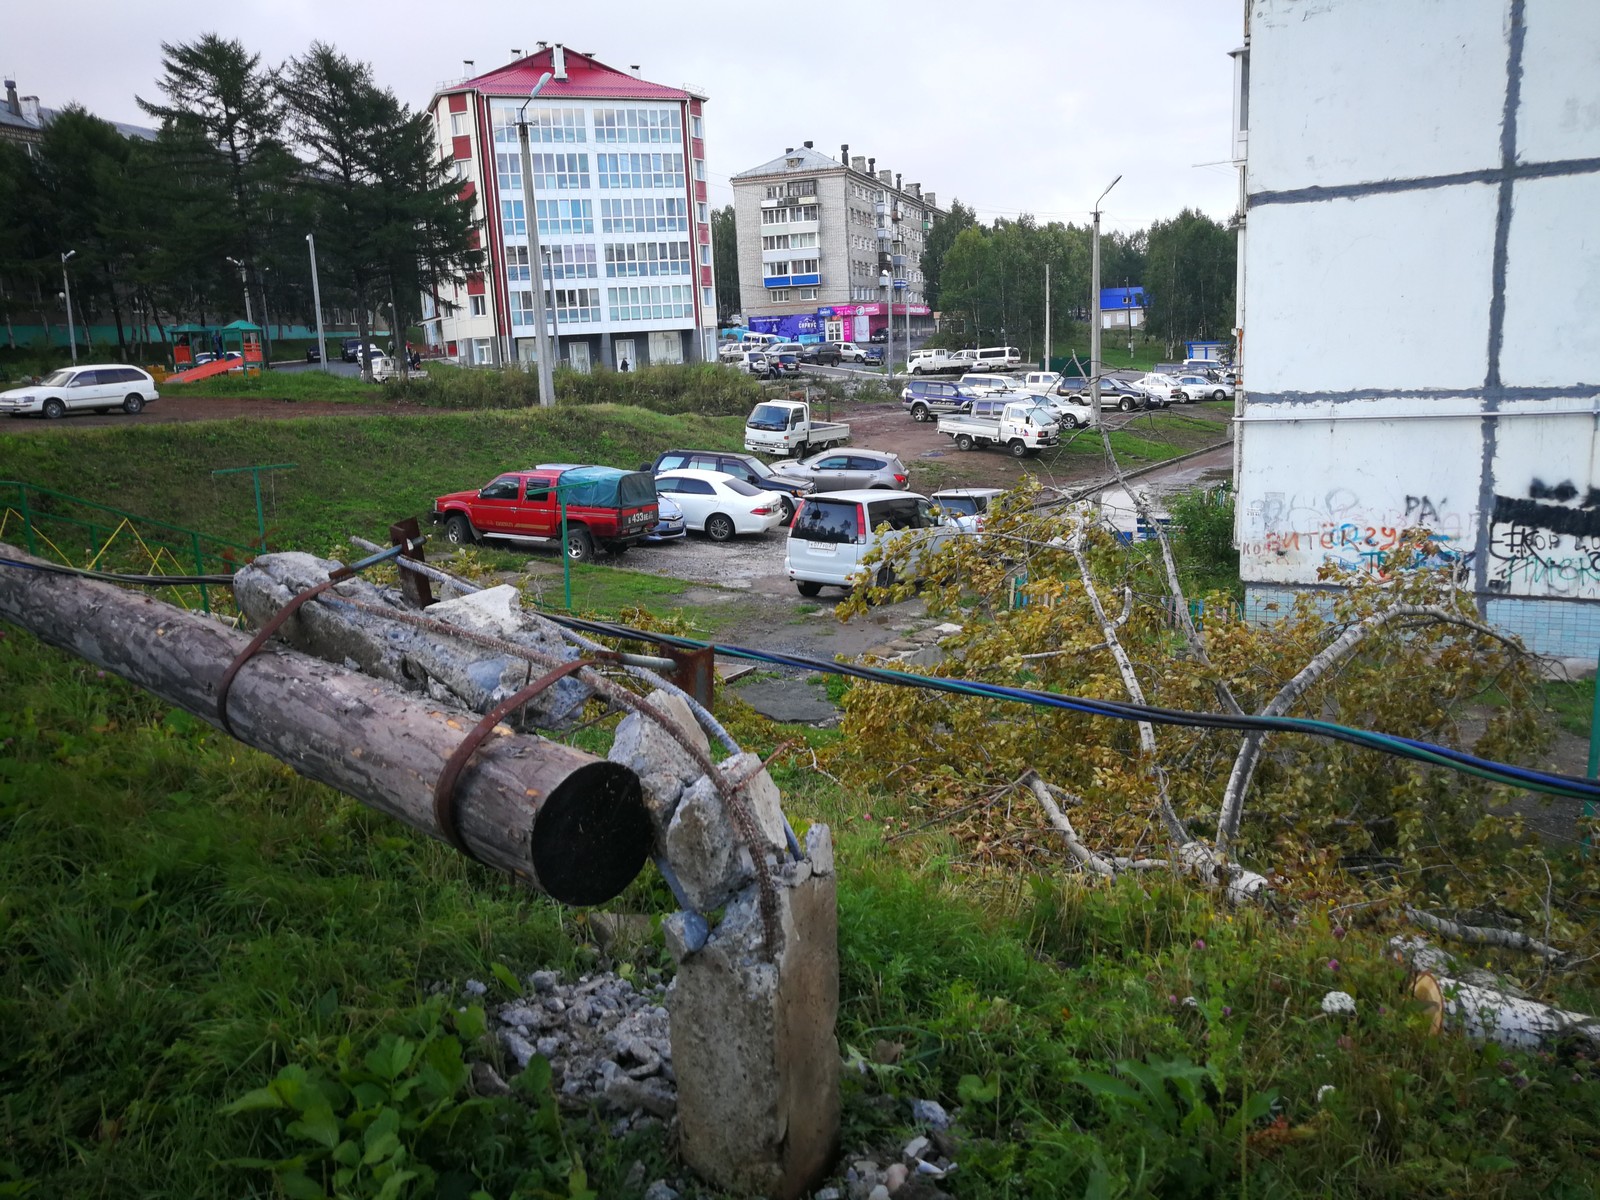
(586, 77)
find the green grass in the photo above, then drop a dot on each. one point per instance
(288, 386)
(353, 475)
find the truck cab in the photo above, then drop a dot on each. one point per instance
(786, 428)
(603, 507)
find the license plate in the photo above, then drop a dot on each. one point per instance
(827, 548)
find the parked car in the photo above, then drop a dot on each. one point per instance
(849, 351)
(934, 362)
(966, 507)
(92, 388)
(751, 362)
(787, 427)
(834, 469)
(313, 354)
(822, 353)
(783, 348)
(872, 356)
(1162, 389)
(878, 337)
(731, 351)
(350, 348)
(719, 505)
(1023, 426)
(989, 358)
(1071, 400)
(604, 506)
(782, 363)
(741, 466)
(834, 531)
(669, 526)
(1201, 387)
(989, 384)
(923, 398)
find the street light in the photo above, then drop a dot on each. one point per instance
(887, 284)
(245, 280)
(1094, 313)
(316, 299)
(66, 291)
(555, 309)
(547, 387)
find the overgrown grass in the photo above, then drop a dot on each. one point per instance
(288, 386)
(353, 474)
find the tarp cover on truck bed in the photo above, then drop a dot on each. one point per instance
(607, 487)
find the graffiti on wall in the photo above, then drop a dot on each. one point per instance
(1546, 543)
(1336, 527)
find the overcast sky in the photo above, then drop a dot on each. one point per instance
(1010, 106)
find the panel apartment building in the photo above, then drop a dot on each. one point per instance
(814, 236)
(1420, 274)
(619, 172)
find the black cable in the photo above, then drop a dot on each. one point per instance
(114, 577)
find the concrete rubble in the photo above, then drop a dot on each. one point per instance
(417, 660)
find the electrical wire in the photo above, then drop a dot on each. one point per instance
(1408, 748)
(1552, 783)
(114, 577)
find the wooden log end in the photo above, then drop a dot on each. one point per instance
(592, 834)
(1426, 989)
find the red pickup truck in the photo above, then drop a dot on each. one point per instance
(605, 507)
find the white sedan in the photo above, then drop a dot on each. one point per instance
(719, 505)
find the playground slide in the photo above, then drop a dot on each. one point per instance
(220, 367)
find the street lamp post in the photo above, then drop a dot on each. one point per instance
(555, 309)
(547, 388)
(886, 282)
(1094, 314)
(66, 291)
(316, 299)
(245, 280)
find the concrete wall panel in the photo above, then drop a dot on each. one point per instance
(1552, 325)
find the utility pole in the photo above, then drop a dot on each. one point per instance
(555, 310)
(316, 299)
(66, 291)
(244, 279)
(547, 388)
(1047, 316)
(1095, 368)
(886, 282)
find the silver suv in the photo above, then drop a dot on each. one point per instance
(839, 470)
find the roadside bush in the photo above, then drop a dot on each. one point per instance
(684, 388)
(1202, 526)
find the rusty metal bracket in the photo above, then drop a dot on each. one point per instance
(696, 672)
(271, 627)
(407, 534)
(444, 791)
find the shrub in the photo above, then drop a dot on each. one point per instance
(682, 388)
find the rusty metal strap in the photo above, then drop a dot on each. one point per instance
(274, 623)
(444, 791)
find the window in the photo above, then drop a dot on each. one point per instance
(669, 215)
(632, 259)
(460, 124)
(700, 169)
(705, 255)
(521, 307)
(639, 171)
(517, 265)
(544, 124)
(508, 167)
(563, 216)
(513, 218)
(638, 125)
(577, 304)
(778, 295)
(696, 487)
(702, 212)
(558, 172)
(478, 305)
(570, 262)
(507, 487)
(806, 293)
(708, 298)
(801, 187)
(825, 520)
(650, 303)
(482, 351)
(697, 127)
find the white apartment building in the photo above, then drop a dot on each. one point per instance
(814, 236)
(1420, 267)
(619, 173)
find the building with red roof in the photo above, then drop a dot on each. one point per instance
(624, 223)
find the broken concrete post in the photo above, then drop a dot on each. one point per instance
(418, 660)
(658, 756)
(753, 1041)
(702, 844)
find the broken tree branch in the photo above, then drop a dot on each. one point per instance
(1483, 935)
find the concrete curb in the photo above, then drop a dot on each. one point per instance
(1140, 472)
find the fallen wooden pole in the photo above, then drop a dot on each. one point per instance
(572, 825)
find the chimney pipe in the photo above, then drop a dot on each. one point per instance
(858, 163)
(12, 106)
(897, 181)
(872, 166)
(788, 149)
(558, 58)
(808, 145)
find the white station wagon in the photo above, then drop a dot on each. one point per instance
(95, 388)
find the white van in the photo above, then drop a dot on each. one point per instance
(761, 339)
(991, 385)
(990, 358)
(834, 531)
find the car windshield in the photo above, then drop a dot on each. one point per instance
(965, 505)
(769, 416)
(56, 379)
(758, 468)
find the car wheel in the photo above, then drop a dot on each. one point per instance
(458, 530)
(1069, 420)
(1018, 448)
(963, 441)
(801, 450)
(133, 404)
(919, 412)
(719, 527)
(787, 510)
(1219, 394)
(580, 546)
(885, 578)
(1125, 404)
(808, 589)
(916, 370)
(54, 409)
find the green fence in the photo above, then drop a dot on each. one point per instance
(82, 533)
